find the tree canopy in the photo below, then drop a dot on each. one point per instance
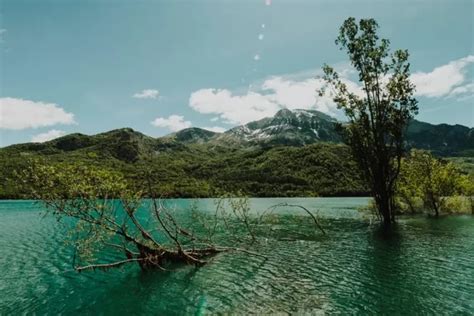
(378, 114)
(429, 184)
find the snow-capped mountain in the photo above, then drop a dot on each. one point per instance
(302, 127)
(297, 127)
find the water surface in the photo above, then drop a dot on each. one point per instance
(425, 266)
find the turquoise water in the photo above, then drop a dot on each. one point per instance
(425, 266)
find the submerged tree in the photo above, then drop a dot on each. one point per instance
(429, 180)
(467, 187)
(108, 216)
(113, 224)
(377, 115)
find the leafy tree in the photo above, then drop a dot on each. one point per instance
(377, 116)
(408, 189)
(467, 188)
(430, 180)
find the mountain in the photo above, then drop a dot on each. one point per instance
(292, 128)
(303, 127)
(442, 139)
(294, 153)
(194, 170)
(192, 135)
(123, 144)
(285, 128)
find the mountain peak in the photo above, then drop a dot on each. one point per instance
(288, 127)
(284, 113)
(125, 132)
(192, 135)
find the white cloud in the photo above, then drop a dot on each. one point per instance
(464, 89)
(260, 36)
(443, 80)
(301, 94)
(20, 114)
(174, 123)
(216, 129)
(147, 94)
(272, 95)
(256, 57)
(299, 91)
(49, 135)
(232, 108)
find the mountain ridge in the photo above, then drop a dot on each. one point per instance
(285, 128)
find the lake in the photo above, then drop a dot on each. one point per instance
(425, 266)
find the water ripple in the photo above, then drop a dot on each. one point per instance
(425, 267)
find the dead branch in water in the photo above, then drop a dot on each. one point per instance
(123, 224)
(316, 222)
(106, 266)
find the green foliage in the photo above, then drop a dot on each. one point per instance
(71, 181)
(377, 120)
(206, 171)
(465, 164)
(466, 184)
(82, 193)
(431, 184)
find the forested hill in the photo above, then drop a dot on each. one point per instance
(294, 153)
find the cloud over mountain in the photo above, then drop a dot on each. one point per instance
(49, 135)
(174, 122)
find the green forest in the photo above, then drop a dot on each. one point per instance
(201, 170)
(322, 169)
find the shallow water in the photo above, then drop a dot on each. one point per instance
(425, 266)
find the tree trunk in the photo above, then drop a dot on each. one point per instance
(436, 209)
(386, 213)
(383, 202)
(435, 205)
(392, 206)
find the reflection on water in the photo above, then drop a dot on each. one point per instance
(422, 266)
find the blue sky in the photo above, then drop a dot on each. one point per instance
(158, 66)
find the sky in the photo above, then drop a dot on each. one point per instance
(159, 66)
